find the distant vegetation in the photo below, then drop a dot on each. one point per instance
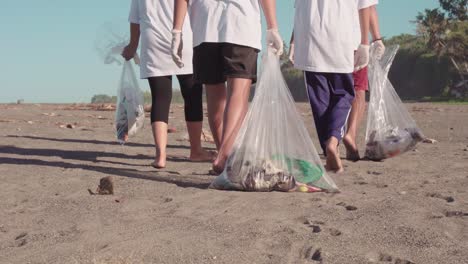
(107, 99)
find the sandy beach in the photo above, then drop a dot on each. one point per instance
(409, 209)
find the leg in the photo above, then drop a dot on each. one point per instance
(342, 96)
(216, 103)
(193, 108)
(161, 94)
(234, 114)
(318, 93)
(356, 115)
(207, 69)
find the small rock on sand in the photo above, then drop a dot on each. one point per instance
(316, 229)
(351, 208)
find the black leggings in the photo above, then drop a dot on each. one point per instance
(161, 93)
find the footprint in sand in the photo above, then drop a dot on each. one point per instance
(389, 258)
(448, 199)
(455, 214)
(21, 239)
(335, 232)
(348, 207)
(315, 225)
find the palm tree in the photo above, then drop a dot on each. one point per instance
(436, 29)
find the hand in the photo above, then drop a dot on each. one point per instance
(275, 41)
(361, 58)
(176, 47)
(291, 53)
(379, 49)
(129, 52)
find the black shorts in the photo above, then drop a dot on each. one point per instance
(213, 63)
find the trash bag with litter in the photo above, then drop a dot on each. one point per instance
(391, 130)
(273, 150)
(129, 114)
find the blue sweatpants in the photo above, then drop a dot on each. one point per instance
(331, 96)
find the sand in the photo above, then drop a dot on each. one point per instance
(409, 209)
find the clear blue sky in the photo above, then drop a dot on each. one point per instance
(48, 53)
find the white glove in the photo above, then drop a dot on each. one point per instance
(361, 58)
(176, 47)
(275, 41)
(379, 49)
(291, 53)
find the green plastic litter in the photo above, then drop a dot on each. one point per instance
(308, 173)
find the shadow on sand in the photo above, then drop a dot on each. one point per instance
(92, 156)
(95, 142)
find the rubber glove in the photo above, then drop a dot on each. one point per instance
(291, 53)
(275, 41)
(379, 49)
(361, 58)
(176, 47)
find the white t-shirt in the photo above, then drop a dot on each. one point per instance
(231, 21)
(156, 18)
(325, 36)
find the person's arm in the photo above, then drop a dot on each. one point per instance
(269, 9)
(130, 50)
(274, 39)
(377, 39)
(361, 58)
(291, 48)
(180, 11)
(364, 21)
(374, 24)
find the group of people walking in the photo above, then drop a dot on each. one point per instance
(216, 49)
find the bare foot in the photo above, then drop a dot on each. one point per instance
(333, 159)
(352, 152)
(159, 161)
(203, 156)
(218, 166)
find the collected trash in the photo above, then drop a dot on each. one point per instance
(105, 187)
(129, 114)
(273, 150)
(391, 130)
(429, 141)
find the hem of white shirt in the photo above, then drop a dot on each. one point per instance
(323, 69)
(250, 45)
(168, 73)
(134, 21)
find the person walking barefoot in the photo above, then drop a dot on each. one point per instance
(227, 38)
(361, 85)
(151, 25)
(323, 49)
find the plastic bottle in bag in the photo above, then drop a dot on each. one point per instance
(273, 150)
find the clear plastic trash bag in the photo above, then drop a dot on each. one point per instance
(273, 150)
(130, 115)
(391, 130)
